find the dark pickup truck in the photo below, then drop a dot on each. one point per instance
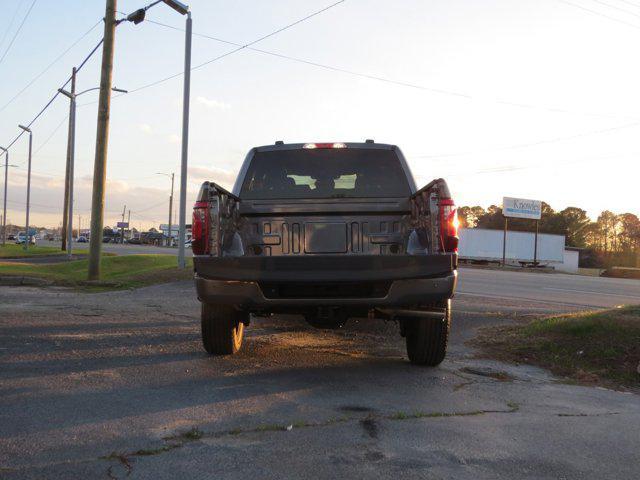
(329, 231)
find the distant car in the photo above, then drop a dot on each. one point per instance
(11, 237)
(20, 239)
(134, 241)
(82, 240)
(187, 244)
(106, 239)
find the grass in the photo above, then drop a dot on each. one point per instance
(126, 271)
(11, 250)
(599, 347)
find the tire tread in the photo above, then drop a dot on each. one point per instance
(219, 335)
(427, 339)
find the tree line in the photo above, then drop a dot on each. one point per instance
(612, 239)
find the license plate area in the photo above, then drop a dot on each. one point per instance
(325, 237)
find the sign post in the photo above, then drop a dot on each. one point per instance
(535, 245)
(504, 244)
(521, 208)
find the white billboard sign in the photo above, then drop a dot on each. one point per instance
(521, 208)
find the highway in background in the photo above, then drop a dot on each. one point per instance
(552, 288)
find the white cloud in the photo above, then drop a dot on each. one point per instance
(145, 128)
(212, 103)
(199, 174)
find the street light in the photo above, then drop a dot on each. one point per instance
(184, 10)
(102, 134)
(26, 232)
(71, 145)
(179, 7)
(170, 239)
(137, 17)
(6, 176)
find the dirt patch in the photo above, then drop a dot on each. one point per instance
(593, 348)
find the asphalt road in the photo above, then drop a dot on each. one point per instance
(558, 289)
(116, 385)
(553, 289)
(121, 249)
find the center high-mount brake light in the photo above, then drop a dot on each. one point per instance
(312, 146)
(449, 224)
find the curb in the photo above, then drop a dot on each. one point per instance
(18, 281)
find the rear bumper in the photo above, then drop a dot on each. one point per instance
(411, 280)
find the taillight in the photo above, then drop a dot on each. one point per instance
(449, 224)
(200, 229)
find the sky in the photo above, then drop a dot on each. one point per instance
(526, 98)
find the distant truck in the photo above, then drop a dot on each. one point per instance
(329, 231)
(478, 244)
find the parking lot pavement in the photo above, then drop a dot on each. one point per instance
(121, 249)
(117, 385)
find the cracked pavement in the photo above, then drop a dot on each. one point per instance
(117, 385)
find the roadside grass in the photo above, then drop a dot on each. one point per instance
(118, 272)
(12, 250)
(598, 347)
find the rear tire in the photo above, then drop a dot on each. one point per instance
(222, 329)
(427, 338)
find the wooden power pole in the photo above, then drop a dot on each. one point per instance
(102, 140)
(67, 182)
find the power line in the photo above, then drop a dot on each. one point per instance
(368, 76)
(595, 12)
(48, 67)
(533, 144)
(511, 168)
(630, 3)
(15, 14)
(615, 7)
(54, 96)
(241, 47)
(55, 130)
(149, 208)
(18, 31)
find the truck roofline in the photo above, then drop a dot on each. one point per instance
(297, 146)
(237, 186)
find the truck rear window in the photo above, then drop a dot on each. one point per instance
(325, 173)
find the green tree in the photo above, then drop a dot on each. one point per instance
(629, 232)
(607, 226)
(574, 221)
(469, 216)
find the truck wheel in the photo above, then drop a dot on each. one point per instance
(222, 329)
(427, 338)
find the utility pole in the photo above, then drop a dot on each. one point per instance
(169, 235)
(102, 139)
(26, 231)
(129, 222)
(170, 209)
(65, 213)
(67, 216)
(185, 143)
(4, 213)
(124, 210)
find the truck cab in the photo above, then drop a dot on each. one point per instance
(330, 231)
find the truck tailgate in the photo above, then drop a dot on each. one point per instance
(325, 268)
